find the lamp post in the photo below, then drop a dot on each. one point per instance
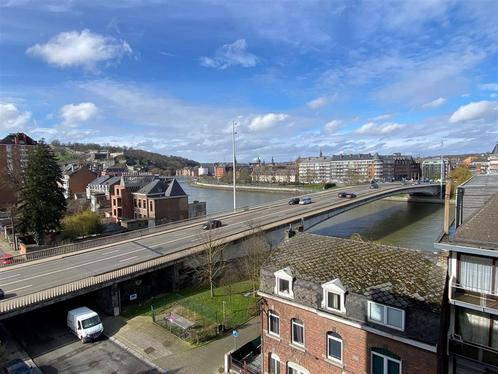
(233, 170)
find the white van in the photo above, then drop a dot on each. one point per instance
(84, 323)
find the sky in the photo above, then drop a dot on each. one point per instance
(416, 77)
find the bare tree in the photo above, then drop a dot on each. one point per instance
(256, 250)
(209, 264)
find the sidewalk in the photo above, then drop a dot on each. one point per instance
(155, 344)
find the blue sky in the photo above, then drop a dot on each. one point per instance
(297, 76)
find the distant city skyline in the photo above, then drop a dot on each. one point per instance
(298, 77)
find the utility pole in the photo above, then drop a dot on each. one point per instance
(234, 172)
(442, 172)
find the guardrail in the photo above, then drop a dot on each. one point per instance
(473, 351)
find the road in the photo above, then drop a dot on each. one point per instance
(28, 278)
(54, 349)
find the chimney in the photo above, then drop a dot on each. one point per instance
(447, 195)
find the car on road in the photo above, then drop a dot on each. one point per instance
(17, 366)
(344, 194)
(294, 201)
(374, 185)
(212, 224)
(305, 200)
(2, 294)
(85, 324)
(7, 258)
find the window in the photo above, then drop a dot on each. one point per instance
(274, 364)
(333, 296)
(273, 324)
(334, 347)
(386, 315)
(297, 332)
(135, 203)
(293, 368)
(150, 206)
(139, 203)
(385, 362)
(283, 283)
(476, 273)
(333, 301)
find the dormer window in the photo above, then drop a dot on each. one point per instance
(333, 296)
(386, 315)
(283, 283)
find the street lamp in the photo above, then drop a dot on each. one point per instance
(233, 170)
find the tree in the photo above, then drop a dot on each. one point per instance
(82, 224)
(460, 174)
(256, 250)
(209, 264)
(41, 201)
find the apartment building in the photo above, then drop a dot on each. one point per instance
(75, 179)
(493, 161)
(431, 168)
(14, 150)
(333, 305)
(473, 278)
(122, 198)
(274, 173)
(357, 168)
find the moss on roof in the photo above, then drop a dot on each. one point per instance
(365, 268)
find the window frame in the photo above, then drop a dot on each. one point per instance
(285, 275)
(273, 314)
(273, 357)
(334, 287)
(301, 324)
(294, 366)
(384, 321)
(386, 359)
(338, 338)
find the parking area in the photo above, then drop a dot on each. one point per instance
(54, 349)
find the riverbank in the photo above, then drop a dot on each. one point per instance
(417, 199)
(247, 188)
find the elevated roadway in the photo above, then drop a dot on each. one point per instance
(32, 284)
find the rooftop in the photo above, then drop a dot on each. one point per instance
(18, 138)
(391, 275)
(162, 186)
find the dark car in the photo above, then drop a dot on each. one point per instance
(349, 195)
(374, 185)
(294, 201)
(211, 224)
(2, 294)
(17, 366)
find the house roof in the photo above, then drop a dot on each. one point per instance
(495, 150)
(481, 228)
(18, 138)
(105, 180)
(174, 189)
(391, 275)
(169, 188)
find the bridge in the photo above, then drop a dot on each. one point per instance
(33, 284)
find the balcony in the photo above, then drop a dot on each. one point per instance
(484, 355)
(483, 300)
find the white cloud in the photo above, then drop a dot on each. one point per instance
(435, 103)
(382, 117)
(475, 111)
(230, 55)
(80, 49)
(317, 103)
(372, 128)
(11, 118)
(332, 126)
(266, 121)
(489, 86)
(74, 114)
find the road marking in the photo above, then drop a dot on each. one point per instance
(17, 289)
(74, 267)
(128, 259)
(108, 253)
(10, 276)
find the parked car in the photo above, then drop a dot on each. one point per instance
(305, 200)
(84, 323)
(349, 195)
(211, 224)
(374, 185)
(17, 366)
(7, 258)
(294, 201)
(2, 294)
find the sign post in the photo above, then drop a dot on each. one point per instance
(235, 334)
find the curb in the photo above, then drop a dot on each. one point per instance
(137, 355)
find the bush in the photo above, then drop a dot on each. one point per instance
(82, 224)
(326, 186)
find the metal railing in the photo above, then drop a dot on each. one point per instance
(473, 351)
(473, 295)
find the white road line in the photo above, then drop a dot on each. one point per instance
(128, 259)
(10, 276)
(108, 253)
(74, 267)
(17, 289)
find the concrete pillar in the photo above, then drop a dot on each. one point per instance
(108, 300)
(116, 299)
(175, 277)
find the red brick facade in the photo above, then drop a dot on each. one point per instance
(357, 345)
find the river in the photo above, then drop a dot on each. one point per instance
(412, 225)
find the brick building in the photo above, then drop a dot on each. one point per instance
(493, 161)
(75, 179)
(14, 150)
(332, 305)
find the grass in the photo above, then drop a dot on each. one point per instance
(190, 301)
